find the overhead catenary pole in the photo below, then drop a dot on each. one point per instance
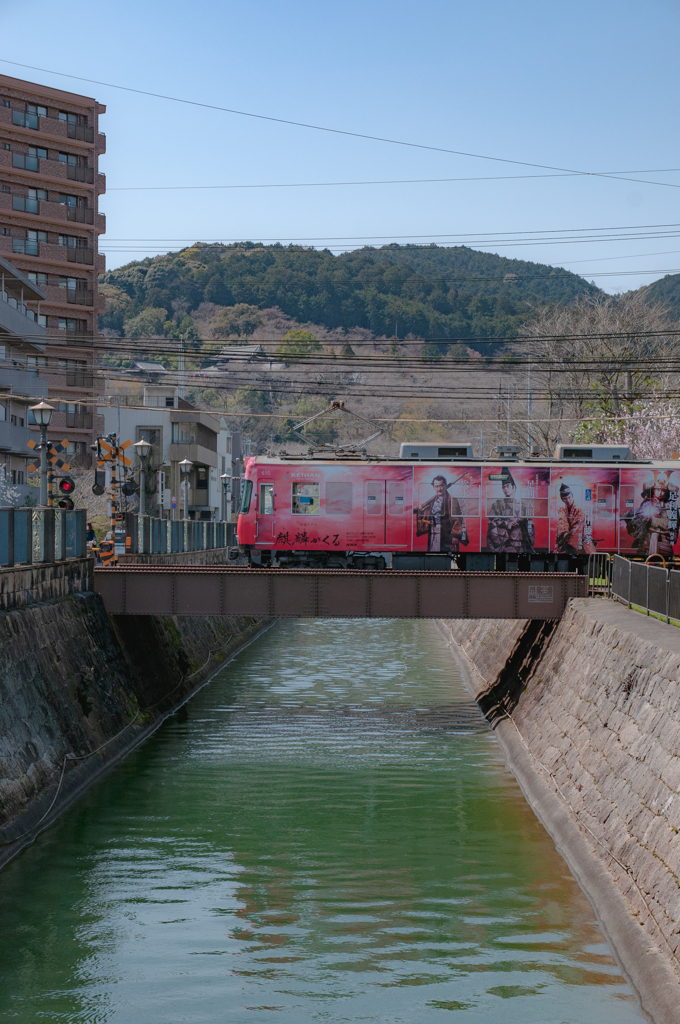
(529, 410)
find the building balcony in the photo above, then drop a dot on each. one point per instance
(17, 320)
(79, 254)
(80, 214)
(80, 132)
(14, 439)
(74, 173)
(79, 296)
(18, 380)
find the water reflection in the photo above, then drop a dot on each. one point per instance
(329, 834)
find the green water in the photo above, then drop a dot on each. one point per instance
(326, 833)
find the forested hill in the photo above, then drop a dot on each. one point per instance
(667, 291)
(431, 291)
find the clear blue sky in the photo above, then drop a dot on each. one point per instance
(589, 85)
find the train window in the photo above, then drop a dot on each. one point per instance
(305, 499)
(395, 498)
(338, 498)
(245, 499)
(266, 499)
(605, 501)
(375, 490)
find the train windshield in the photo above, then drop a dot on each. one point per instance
(245, 499)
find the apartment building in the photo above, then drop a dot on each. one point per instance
(22, 346)
(49, 227)
(177, 431)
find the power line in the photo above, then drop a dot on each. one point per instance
(388, 181)
(333, 131)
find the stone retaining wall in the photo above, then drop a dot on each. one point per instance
(25, 584)
(596, 701)
(72, 680)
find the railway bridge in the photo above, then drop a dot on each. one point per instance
(335, 593)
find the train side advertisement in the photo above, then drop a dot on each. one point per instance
(505, 508)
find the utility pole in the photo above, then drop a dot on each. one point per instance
(529, 411)
(180, 368)
(507, 418)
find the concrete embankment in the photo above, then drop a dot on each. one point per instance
(78, 690)
(588, 713)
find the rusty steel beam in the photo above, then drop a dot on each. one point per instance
(335, 593)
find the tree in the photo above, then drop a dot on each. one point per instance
(240, 321)
(147, 324)
(9, 495)
(651, 430)
(251, 399)
(596, 355)
(296, 344)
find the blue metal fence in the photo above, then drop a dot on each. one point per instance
(29, 535)
(145, 535)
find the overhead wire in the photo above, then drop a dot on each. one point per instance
(326, 129)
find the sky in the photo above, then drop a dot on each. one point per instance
(579, 87)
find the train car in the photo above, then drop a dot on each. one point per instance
(437, 506)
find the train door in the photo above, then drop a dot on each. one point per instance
(397, 522)
(266, 517)
(374, 513)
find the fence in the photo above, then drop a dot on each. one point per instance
(30, 535)
(145, 535)
(650, 587)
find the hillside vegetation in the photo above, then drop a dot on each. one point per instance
(432, 291)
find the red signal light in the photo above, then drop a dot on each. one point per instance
(67, 485)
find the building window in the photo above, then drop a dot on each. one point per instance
(6, 231)
(169, 402)
(37, 278)
(5, 103)
(33, 108)
(38, 152)
(37, 193)
(71, 283)
(69, 323)
(71, 200)
(7, 145)
(201, 478)
(6, 188)
(35, 363)
(69, 118)
(184, 433)
(68, 158)
(72, 241)
(36, 236)
(17, 421)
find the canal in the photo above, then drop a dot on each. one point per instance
(326, 832)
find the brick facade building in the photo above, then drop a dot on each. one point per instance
(49, 228)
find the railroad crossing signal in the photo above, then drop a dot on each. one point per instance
(55, 449)
(109, 452)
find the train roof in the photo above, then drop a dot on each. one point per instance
(358, 459)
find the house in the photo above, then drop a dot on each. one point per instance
(177, 431)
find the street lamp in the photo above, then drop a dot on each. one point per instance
(185, 465)
(143, 448)
(42, 414)
(225, 478)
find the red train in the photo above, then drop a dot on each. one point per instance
(436, 504)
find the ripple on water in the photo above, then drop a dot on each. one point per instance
(329, 834)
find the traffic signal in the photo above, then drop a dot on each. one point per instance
(129, 487)
(99, 485)
(67, 486)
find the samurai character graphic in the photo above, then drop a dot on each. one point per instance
(654, 524)
(440, 518)
(510, 529)
(572, 532)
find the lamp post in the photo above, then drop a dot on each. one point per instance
(143, 448)
(43, 415)
(185, 465)
(225, 478)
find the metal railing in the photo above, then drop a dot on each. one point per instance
(147, 535)
(599, 573)
(30, 535)
(652, 588)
